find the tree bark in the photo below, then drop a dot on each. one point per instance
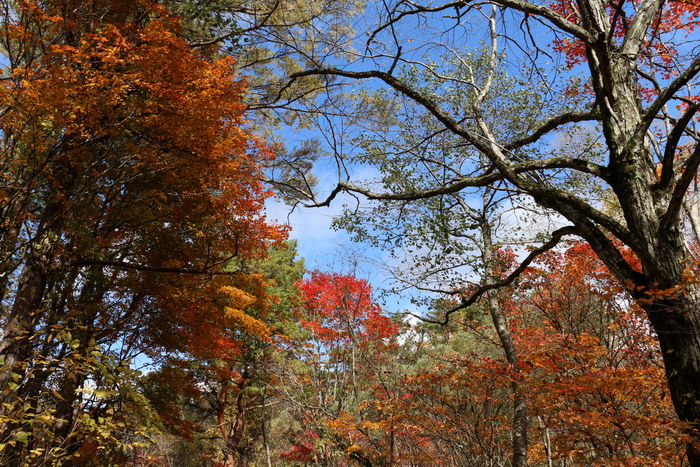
(15, 348)
(673, 311)
(677, 323)
(520, 412)
(15, 345)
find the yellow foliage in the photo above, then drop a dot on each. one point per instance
(236, 297)
(247, 323)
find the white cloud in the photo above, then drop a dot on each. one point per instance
(311, 227)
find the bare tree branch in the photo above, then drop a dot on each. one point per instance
(690, 172)
(461, 183)
(667, 171)
(476, 295)
(552, 124)
(634, 38)
(667, 94)
(525, 7)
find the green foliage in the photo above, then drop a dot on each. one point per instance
(105, 421)
(215, 408)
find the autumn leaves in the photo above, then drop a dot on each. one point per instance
(133, 238)
(130, 185)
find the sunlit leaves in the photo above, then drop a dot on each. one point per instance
(130, 183)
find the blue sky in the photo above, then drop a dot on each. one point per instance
(327, 249)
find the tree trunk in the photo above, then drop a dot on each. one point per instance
(676, 321)
(15, 349)
(656, 236)
(15, 346)
(520, 412)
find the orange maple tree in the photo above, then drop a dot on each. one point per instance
(590, 370)
(130, 183)
(595, 377)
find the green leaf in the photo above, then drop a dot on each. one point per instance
(102, 394)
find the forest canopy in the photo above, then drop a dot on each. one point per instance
(528, 171)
